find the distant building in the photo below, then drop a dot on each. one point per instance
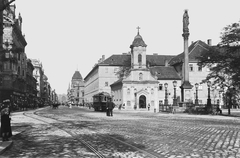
(38, 75)
(76, 90)
(31, 87)
(62, 98)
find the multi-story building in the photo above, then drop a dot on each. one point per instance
(46, 93)
(38, 75)
(150, 78)
(197, 73)
(13, 60)
(31, 87)
(76, 90)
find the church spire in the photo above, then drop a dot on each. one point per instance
(138, 41)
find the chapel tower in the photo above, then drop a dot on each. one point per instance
(138, 52)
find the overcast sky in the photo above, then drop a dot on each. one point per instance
(70, 35)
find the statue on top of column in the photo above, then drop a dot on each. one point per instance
(185, 22)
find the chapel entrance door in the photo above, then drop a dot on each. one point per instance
(142, 101)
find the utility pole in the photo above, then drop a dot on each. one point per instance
(2, 7)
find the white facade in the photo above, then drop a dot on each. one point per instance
(99, 80)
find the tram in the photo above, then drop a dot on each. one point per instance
(100, 101)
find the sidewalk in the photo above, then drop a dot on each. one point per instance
(7, 144)
(16, 129)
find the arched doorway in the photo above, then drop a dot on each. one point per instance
(142, 101)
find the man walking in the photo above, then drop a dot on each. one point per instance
(110, 106)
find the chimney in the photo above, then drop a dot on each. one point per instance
(166, 63)
(209, 42)
(155, 53)
(103, 57)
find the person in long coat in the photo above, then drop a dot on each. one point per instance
(6, 130)
(110, 106)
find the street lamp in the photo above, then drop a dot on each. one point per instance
(166, 99)
(209, 99)
(196, 100)
(174, 97)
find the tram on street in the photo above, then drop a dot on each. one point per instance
(100, 101)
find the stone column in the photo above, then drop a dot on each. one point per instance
(186, 86)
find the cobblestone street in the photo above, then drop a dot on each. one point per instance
(126, 134)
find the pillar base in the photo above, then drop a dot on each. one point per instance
(186, 91)
(186, 85)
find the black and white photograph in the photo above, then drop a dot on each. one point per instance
(119, 79)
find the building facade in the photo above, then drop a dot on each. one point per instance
(14, 66)
(38, 75)
(76, 89)
(149, 81)
(197, 74)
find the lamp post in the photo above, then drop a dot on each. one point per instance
(174, 97)
(209, 99)
(196, 100)
(166, 98)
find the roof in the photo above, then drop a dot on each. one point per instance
(138, 41)
(117, 82)
(77, 75)
(125, 59)
(117, 60)
(165, 73)
(101, 94)
(194, 50)
(162, 73)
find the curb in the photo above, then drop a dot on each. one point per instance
(5, 146)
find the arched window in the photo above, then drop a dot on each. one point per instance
(140, 76)
(128, 91)
(139, 58)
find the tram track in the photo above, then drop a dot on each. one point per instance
(90, 143)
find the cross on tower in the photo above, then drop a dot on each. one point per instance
(138, 29)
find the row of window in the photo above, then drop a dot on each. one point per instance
(199, 68)
(11, 66)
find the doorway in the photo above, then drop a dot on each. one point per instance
(142, 101)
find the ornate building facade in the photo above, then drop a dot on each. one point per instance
(15, 69)
(76, 89)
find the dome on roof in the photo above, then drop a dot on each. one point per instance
(77, 75)
(138, 41)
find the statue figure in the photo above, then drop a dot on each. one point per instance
(185, 22)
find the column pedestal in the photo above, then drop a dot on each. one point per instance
(186, 91)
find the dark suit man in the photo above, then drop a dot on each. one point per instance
(110, 106)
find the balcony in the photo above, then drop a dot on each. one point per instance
(9, 57)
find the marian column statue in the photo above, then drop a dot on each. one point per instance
(186, 85)
(185, 22)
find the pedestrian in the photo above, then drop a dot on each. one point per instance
(6, 130)
(110, 107)
(218, 109)
(120, 106)
(148, 106)
(107, 107)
